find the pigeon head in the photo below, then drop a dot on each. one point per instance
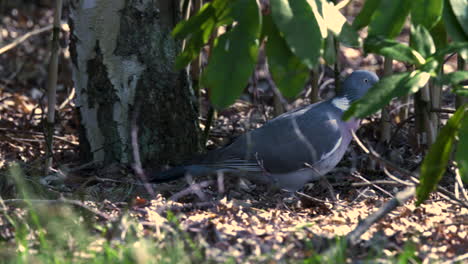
(357, 84)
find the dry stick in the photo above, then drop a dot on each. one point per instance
(385, 122)
(399, 199)
(136, 152)
(460, 184)
(375, 186)
(23, 38)
(191, 189)
(374, 155)
(52, 85)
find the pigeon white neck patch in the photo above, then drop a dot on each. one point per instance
(341, 103)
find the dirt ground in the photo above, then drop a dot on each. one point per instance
(228, 217)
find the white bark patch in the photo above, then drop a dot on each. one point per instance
(99, 22)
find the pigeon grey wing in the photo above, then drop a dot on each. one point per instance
(287, 142)
(302, 143)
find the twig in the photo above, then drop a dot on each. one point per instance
(52, 85)
(458, 259)
(23, 38)
(136, 152)
(68, 100)
(442, 110)
(374, 155)
(400, 198)
(381, 182)
(191, 189)
(18, 202)
(314, 199)
(373, 185)
(460, 184)
(400, 125)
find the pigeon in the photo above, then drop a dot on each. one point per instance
(290, 150)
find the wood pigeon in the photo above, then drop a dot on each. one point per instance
(291, 149)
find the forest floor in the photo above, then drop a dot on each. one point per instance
(221, 219)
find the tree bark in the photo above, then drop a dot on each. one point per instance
(123, 56)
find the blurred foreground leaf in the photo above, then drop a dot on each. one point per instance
(365, 15)
(297, 24)
(234, 55)
(394, 49)
(385, 90)
(461, 155)
(435, 161)
(288, 72)
(426, 12)
(421, 41)
(389, 18)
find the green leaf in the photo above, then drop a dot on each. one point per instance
(394, 49)
(460, 10)
(453, 78)
(199, 28)
(421, 40)
(460, 47)
(426, 12)
(205, 16)
(191, 51)
(385, 90)
(460, 90)
(349, 36)
(389, 18)
(435, 162)
(364, 17)
(234, 55)
(439, 35)
(297, 24)
(452, 25)
(461, 156)
(288, 72)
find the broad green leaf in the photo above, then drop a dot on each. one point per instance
(460, 10)
(366, 13)
(234, 56)
(426, 12)
(460, 90)
(317, 9)
(349, 36)
(385, 90)
(389, 18)
(394, 49)
(431, 66)
(439, 35)
(461, 156)
(452, 25)
(190, 52)
(421, 40)
(198, 29)
(296, 21)
(206, 15)
(435, 161)
(459, 47)
(288, 72)
(453, 78)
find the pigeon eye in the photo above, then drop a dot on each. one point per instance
(366, 80)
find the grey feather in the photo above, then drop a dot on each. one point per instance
(293, 148)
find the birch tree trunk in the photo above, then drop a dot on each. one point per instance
(123, 56)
